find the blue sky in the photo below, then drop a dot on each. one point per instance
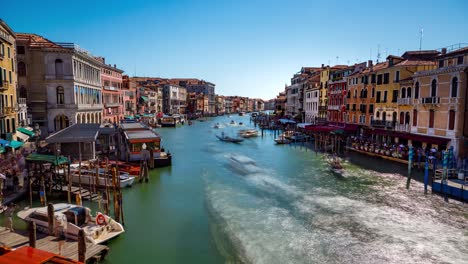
(249, 48)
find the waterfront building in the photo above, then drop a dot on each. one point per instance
(128, 96)
(295, 92)
(280, 104)
(227, 105)
(62, 82)
(323, 94)
(198, 86)
(8, 82)
(220, 105)
(361, 96)
(440, 101)
(387, 79)
(174, 99)
(112, 93)
(311, 98)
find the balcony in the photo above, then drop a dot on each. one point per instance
(323, 108)
(110, 88)
(403, 127)
(430, 100)
(333, 107)
(21, 101)
(404, 101)
(112, 104)
(4, 85)
(382, 123)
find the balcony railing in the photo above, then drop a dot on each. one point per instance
(333, 107)
(112, 104)
(323, 108)
(21, 100)
(404, 101)
(403, 127)
(4, 85)
(430, 100)
(382, 123)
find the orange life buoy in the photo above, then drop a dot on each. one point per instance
(100, 219)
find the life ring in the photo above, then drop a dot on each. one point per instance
(100, 219)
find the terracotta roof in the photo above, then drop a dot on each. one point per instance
(37, 41)
(415, 63)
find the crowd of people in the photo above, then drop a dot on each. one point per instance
(13, 172)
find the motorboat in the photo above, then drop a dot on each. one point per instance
(298, 136)
(282, 140)
(247, 133)
(241, 124)
(242, 164)
(232, 122)
(217, 125)
(335, 166)
(287, 134)
(71, 218)
(229, 139)
(89, 178)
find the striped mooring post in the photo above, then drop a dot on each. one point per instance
(410, 164)
(444, 175)
(426, 175)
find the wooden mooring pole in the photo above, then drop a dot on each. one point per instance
(32, 234)
(50, 218)
(81, 246)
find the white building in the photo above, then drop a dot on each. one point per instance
(174, 99)
(62, 82)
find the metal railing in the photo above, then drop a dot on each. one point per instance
(382, 123)
(404, 101)
(430, 100)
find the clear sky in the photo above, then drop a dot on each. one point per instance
(249, 48)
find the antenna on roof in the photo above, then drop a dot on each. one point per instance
(386, 52)
(337, 57)
(378, 53)
(398, 53)
(420, 38)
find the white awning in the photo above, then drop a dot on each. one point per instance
(303, 125)
(22, 136)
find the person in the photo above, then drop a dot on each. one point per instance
(145, 155)
(9, 214)
(60, 230)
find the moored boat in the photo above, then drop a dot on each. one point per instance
(282, 140)
(90, 177)
(247, 133)
(71, 218)
(229, 139)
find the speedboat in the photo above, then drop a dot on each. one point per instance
(282, 140)
(98, 229)
(335, 166)
(229, 139)
(242, 164)
(247, 133)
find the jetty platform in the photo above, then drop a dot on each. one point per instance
(50, 244)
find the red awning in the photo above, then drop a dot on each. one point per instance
(422, 138)
(315, 128)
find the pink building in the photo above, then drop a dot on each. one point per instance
(112, 94)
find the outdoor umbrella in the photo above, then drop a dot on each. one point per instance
(2, 176)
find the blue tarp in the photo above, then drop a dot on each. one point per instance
(4, 143)
(287, 121)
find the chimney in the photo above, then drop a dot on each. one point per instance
(369, 64)
(115, 66)
(323, 65)
(444, 51)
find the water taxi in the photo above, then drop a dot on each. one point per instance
(99, 178)
(71, 218)
(282, 140)
(168, 121)
(229, 139)
(248, 133)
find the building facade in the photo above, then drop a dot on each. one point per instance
(174, 99)
(8, 83)
(112, 93)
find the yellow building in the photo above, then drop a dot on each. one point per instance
(323, 97)
(8, 82)
(387, 85)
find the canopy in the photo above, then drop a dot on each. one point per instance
(129, 117)
(148, 115)
(2, 149)
(25, 131)
(16, 144)
(42, 158)
(287, 121)
(23, 137)
(4, 143)
(145, 98)
(303, 125)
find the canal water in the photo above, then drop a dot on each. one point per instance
(285, 206)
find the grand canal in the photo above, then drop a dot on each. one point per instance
(291, 209)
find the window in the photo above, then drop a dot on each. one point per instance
(451, 120)
(441, 63)
(9, 52)
(373, 78)
(58, 67)
(397, 76)
(386, 78)
(9, 77)
(431, 118)
(460, 60)
(395, 96)
(434, 88)
(416, 90)
(20, 49)
(377, 100)
(373, 92)
(407, 118)
(371, 109)
(385, 97)
(378, 114)
(403, 92)
(454, 87)
(60, 96)
(408, 92)
(379, 79)
(402, 118)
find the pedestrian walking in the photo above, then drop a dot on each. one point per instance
(9, 214)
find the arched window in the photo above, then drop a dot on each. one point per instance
(378, 114)
(407, 118)
(60, 95)
(403, 92)
(434, 88)
(416, 91)
(58, 67)
(22, 92)
(61, 122)
(408, 92)
(415, 117)
(384, 116)
(402, 118)
(454, 87)
(373, 92)
(21, 69)
(365, 93)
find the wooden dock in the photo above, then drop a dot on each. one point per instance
(85, 193)
(51, 244)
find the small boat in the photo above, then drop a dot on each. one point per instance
(217, 125)
(335, 166)
(241, 124)
(229, 139)
(299, 137)
(88, 178)
(233, 122)
(190, 122)
(98, 229)
(241, 113)
(132, 169)
(247, 133)
(282, 140)
(287, 134)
